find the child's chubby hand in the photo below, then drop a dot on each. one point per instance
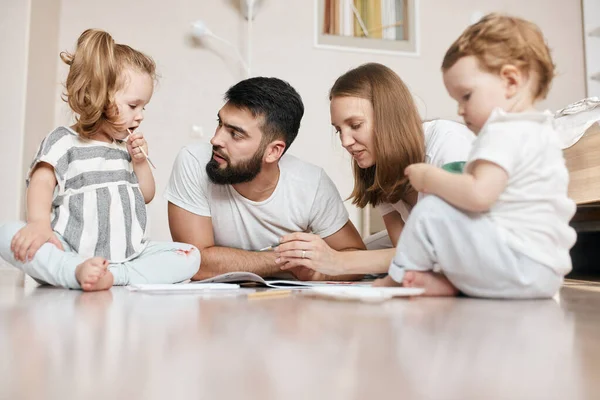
(417, 175)
(135, 144)
(30, 238)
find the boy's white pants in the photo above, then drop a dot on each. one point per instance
(158, 263)
(470, 252)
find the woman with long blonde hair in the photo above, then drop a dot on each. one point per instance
(375, 116)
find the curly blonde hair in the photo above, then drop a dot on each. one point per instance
(497, 40)
(95, 75)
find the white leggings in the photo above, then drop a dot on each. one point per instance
(469, 251)
(158, 263)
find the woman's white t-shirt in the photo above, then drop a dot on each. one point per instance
(445, 142)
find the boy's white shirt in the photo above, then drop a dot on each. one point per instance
(534, 210)
(445, 142)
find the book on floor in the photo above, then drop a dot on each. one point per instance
(181, 287)
(251, 279)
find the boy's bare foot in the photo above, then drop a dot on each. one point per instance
(93, 275)
(434, 284)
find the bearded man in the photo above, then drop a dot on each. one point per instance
(242, 193)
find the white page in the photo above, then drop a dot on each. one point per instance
(181, 287)
(368, 294)
(230, 277)
(249, 277)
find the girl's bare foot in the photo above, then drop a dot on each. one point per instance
(93, 275)
(434, 284)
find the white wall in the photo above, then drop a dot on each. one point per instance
(42, 80)
(14, 37)
(591, 23)
(194, 79)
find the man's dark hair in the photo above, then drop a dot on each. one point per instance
(274, 100)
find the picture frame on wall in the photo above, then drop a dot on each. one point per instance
(371, 26)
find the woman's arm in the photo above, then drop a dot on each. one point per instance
(376, 261)
(393, 224)
(321, 257)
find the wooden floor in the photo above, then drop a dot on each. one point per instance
(62, 344)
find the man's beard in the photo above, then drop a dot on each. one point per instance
(245, 171)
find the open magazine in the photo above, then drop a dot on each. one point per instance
(251, 279)
(228, 284)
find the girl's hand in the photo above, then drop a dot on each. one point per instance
(30, 238)
(135, 144)
(417, 175)
(309, 251)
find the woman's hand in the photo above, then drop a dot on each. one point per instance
(135, 144)
(30, 238)
(310, 251)
(307, 274)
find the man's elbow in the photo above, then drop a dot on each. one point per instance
(205, 270)
(202, 274)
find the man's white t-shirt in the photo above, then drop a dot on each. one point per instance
(534, 211)
(305, 200)
(445, 142)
